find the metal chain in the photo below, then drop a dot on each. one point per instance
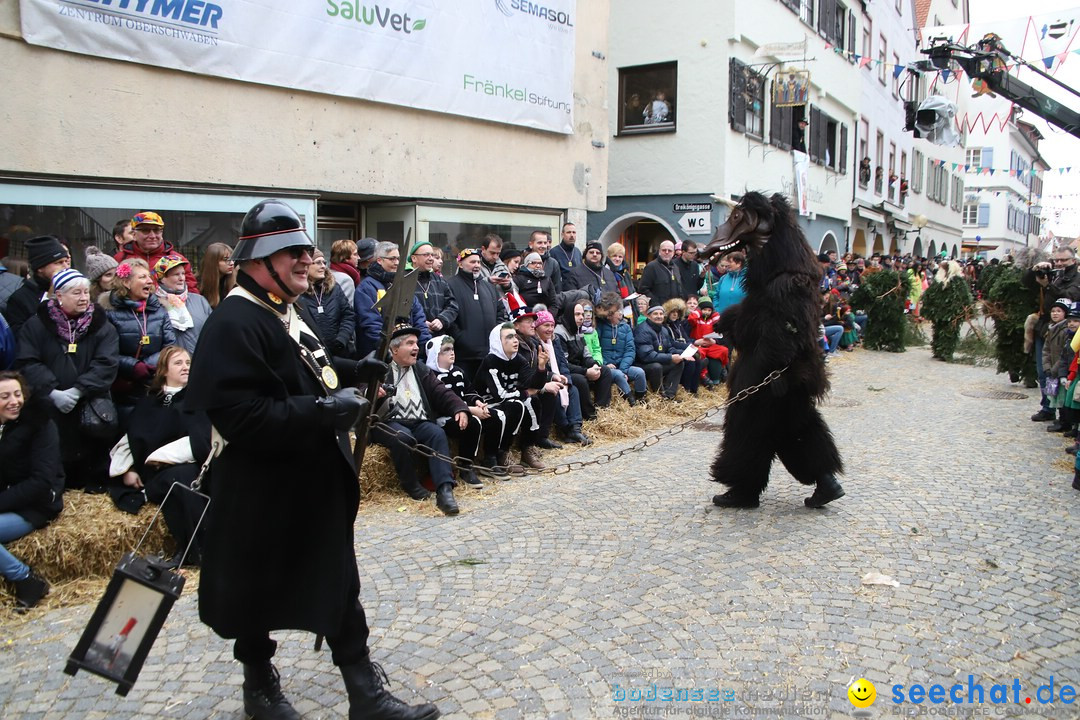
(460, 462)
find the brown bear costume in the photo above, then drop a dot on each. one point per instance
(775, 327)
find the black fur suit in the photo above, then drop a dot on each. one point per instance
(775, 327)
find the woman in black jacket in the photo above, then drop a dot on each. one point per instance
(164, 445)
(333, 313)
(68, 353)
(143, 327)
(581, 362)
(31, 481)
(534, 286)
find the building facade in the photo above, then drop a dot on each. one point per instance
(1000, 211)
(90, 140)
(711, 109)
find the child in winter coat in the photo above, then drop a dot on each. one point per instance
(850, 336)
(703, 322)
(496, 423)
(1056, 361)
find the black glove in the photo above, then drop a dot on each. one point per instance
(369, 370)
(343, 409)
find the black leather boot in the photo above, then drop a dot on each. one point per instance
(827, 490)
(369, 700)
(467, 475)
(263, 699)
(29, 591)
(444, 499)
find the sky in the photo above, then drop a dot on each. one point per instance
(1061, 215)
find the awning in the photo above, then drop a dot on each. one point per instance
(870, 214)
(978, 246)
(903, 226)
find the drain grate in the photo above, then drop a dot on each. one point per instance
(994, 394)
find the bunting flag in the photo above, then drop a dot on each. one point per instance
(1047, 40)
(897, 69)
(1013, 172)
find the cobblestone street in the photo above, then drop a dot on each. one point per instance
(554, 597)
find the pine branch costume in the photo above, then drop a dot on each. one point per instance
(947, 305)
(1012, 302)
(882, 296)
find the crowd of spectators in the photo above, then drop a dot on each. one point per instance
(502, 347)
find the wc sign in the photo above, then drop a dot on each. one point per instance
(696, 223)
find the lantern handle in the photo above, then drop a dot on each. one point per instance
(196, 486)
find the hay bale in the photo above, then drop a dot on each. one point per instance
(88, 539)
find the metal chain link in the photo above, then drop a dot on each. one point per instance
(462, 462)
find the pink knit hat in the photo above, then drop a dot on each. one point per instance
(543, 316)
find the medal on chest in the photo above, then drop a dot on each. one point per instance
(72, 347)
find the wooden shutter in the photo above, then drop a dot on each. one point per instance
(984, 215)
(814, 141)
(851, 35)
(987, 157)
(776, 118)
(737, 95)
(843, 150)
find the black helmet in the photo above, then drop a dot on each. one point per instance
(268, 227)
(365, 248)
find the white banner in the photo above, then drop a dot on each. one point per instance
(509, 61)
(801, 163)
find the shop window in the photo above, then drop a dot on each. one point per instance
(189, 232)
(647, 98)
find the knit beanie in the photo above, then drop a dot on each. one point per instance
(98, 263)
(41, 251)
(533, 257)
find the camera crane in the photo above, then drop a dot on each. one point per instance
(987, 61)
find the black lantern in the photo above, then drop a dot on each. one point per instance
(127, 620)
(139, 597)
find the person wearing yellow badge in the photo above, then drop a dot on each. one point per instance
(279, 547)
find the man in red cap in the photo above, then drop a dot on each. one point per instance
(149, 244)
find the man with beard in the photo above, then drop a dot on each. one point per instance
(379, 278)
(592, 275)
(540, 243)
(480, 308)
(660, 279)
(567, 255)
(492, 267)
(689, 269)
(432, 292)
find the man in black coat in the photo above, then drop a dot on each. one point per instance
(432, 292)
(278, 551)
(480, 308)
(592, 274)
(689, 269)
(47, 256)
(408, 417)
(1059, 278)
(660, 280)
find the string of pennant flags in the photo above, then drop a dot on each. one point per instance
(979, 170)
(867, 61)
